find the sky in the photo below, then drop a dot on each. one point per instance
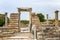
(38, 6)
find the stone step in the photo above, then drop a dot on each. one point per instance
(14, 14)
(21, 36)
(14, 19)
(13, 23)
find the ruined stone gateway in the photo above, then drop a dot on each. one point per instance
(34, 31)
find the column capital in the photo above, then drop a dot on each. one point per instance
(56, 11)
(5, 13)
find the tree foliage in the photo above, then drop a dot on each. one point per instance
(41, 17)
(2, 21)
(24, 21)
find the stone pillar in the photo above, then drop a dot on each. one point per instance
(35, 33)
(56, 19)
(19, 21)
(47, 16)
(30, 22)
(6, 19)
(47, 19)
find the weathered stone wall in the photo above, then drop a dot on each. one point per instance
(46, 36)
(35, 21)
(14, 17)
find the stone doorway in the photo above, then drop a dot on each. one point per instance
(24, 10)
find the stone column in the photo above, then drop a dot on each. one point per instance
(30, 22)
(19, 21)
(35, 33)
(47, 19)
(56, 19)
(6, 19)
(47, 16)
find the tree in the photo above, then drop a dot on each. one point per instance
(41, 17)
(2, 21)
(24, 21)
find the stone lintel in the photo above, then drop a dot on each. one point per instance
(24, 9)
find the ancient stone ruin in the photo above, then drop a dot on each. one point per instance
(34, 31)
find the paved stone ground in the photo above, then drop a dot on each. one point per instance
(20, 36)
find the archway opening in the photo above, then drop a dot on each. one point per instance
(24, 18)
